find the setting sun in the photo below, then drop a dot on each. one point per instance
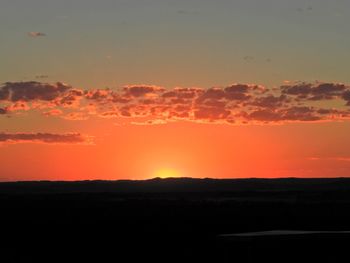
(166, 173)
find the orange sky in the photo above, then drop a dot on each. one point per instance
(190, 149)
(137, 89)
(58, 132)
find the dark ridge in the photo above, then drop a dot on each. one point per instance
(176, 220)
(158, 185)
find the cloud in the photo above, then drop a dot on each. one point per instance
(319, 91)
(150, 122)
(248, 58)
(287, 114)
(211, 113)
(76, 116)
(32, 90)
(41, 76)
(70, 98)
(16, 96)
(4, 93)
(346, 97)
(182, 93)
(339, 159)
(141, 90)
(237, 103)
(54, 112)
(3, 111)
(270, 101)
(36, 34)
(110, 114)
(49, 138)
(98, 94)
(18, 106)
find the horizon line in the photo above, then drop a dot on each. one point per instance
(176, 178)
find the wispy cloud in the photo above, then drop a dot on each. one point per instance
(41, 76)
(336, 158)
(36, 34)
(49, 138)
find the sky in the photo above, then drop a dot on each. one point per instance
(136, 89)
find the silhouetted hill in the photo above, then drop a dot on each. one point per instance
(158, 185)
(175, 220)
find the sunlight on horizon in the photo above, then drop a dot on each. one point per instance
(167, 173)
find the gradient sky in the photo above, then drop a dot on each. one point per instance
(114, 89)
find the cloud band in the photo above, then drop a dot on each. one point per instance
(233, 104)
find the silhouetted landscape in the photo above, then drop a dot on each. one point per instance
(176, 220)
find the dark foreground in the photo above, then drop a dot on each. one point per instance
(175, 220)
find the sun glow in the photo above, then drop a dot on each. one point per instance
(166, 173)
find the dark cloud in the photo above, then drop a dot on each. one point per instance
(212, 94)
(287, 114)
(346, 97)
(69, 138)
(301, 89)
(70, 98)
(300, 114)
(236, 92)
(334, 112)
(320, 91)
(239, 91)
(182, 93)
(265, 115)
(211, 113)
(98, 94)
(270, 101)
(4, 93)
(327, 90)
(141, 90)
(32, 90)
